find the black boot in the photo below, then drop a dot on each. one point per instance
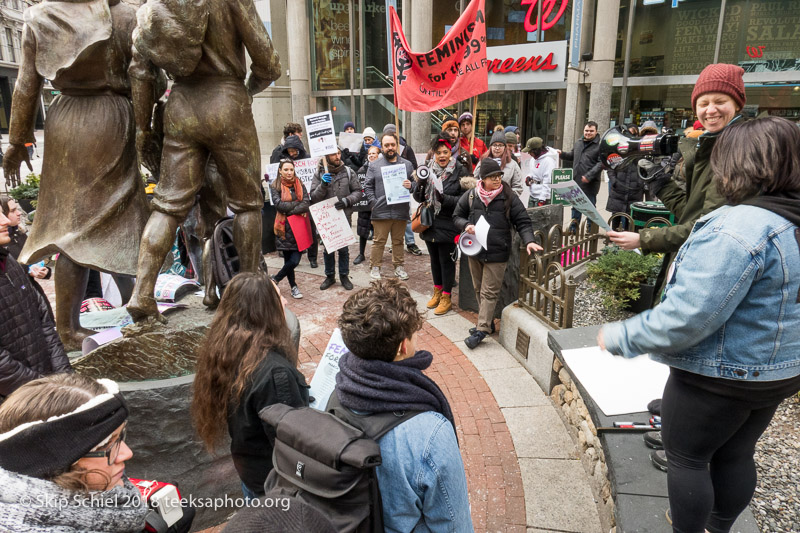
(329, 280)
(359, 259)
(346, 282)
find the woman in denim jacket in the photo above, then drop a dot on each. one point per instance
(728, 326)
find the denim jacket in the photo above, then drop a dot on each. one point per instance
(730, 308)
(422, 480)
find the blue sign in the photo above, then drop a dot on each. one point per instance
(575, 50)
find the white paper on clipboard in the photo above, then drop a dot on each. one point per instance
(482, 232)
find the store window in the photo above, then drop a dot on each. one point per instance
(761, 36)
(668, 106)
(330, 50)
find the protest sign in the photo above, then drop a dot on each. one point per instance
(324, 380)
(332, 225)
(321, 135)
(363, 204)
(393, 178)
(453, 71)
(351, 141)
(560, 175)
(572, 193)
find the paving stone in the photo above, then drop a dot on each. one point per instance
(538, 432)
(514, 387)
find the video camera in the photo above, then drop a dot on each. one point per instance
(618, 148)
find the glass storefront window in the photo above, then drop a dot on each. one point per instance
(761, 36)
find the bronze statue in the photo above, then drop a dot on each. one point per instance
(200, 44)
(92, 206)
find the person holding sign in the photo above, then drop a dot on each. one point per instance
(389, 216)
(495, 203)
(439, 186)
(339, 181)
(291, 200)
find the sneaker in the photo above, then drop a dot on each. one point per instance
(329, 281)
(473, 330)
(375, 273)
(659, 460)
(296, 294)
(359, 259)
(346, 283)
(400, 273)
(653, 440)
(475, 339)
(414, 249)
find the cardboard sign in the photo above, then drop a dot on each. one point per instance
(393, 178)
(560, 175)
(321, 135)
(332, 225)
(574, 195)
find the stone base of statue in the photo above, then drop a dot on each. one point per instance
(155, 372)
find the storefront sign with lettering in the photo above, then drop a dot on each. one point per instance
(527, 63)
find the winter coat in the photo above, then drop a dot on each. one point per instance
(29, 345)
(292, 141)
(470, 208)
(364, 219)
(585, 158)
(293, 207)
(407, 153)
(443, 229)
(376, 194)
(626, 188)
(344, 185)
(358, 160)
(275, 380)
(512, 175)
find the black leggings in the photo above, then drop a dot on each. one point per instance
(443, 268)
(362, 245)
(710, 441)
(291, 258)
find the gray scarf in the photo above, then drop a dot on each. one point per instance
(441, 173)
(32, 505)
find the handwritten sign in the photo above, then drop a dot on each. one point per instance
(332, 225)
(324, 381)
(393, 178)
(572, 193)
(321, 135)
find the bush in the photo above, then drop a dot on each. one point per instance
(28, 190)
(618, 274)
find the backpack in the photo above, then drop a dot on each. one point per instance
(224, 257)
(328, 460)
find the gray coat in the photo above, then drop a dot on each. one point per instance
(344, 185)
(375, 192)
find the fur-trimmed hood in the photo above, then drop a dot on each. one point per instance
(468, 182)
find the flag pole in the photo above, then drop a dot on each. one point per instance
(474, 124)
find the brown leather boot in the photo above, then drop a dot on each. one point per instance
(444, 305)
(437, 295)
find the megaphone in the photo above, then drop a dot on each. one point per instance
(618, 148)
(468, 244)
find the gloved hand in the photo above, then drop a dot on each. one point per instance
(326, 178)
(341, 204)
(474, 159)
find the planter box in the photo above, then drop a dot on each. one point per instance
(25, 204)
(645, 300)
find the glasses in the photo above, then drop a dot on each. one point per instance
(496, 177)
(112, 452)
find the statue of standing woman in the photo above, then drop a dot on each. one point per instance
(92, 207)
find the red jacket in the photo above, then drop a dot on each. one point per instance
(478, 149)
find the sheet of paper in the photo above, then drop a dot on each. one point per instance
(321, 135)
(482, 232)
(332, 225)
(169, 286)
(393, 178)
(351, 141)
(572, 193)
(324, 380)
(616, 384)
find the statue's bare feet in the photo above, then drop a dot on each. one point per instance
(73, 339)
(211, 300)
(144, 309)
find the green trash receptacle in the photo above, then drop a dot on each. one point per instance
(643, 212)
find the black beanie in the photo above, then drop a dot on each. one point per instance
(44, 448)
(489, 167)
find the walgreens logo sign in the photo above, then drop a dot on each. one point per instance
(519, 64)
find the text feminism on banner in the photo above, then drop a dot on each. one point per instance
(321, 135)
(453, 71)
(332, 225)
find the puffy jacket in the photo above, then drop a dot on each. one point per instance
(512, 175)
(29, 345)
(375, 193)
(626, 188)
(730, 308)
(364, 219)
(293, 207)
(443, 229)
(344, 185)
(585, 157)
(470, 208)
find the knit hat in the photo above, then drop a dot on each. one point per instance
(348, 125)
(464, 116)
(291, 516)
(534, 143)
(511, 137)
(390, 128)
(721, 78)
(43, 448)
(489, 167)
(511, 129)
(499, 137)
(369, 132)
(449, 124)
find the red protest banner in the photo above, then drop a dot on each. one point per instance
(453, 71)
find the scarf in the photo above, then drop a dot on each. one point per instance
(786, 205)
(3, 256)
(380, 387)
(119, 510)
(487, 196)
(286, 196)
(441, 174)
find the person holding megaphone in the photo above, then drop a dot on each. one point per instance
(717, 99)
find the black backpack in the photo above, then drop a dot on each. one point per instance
(224, 257)
(328, 460)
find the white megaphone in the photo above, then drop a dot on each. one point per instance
(468, 244)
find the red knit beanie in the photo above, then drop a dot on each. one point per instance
(721, 78)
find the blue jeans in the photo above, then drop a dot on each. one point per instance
(577, 214)
(344, 262)
(409, 235)
(248, 494)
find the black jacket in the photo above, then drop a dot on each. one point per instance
(294, 207)
(626, 188)
(470, 208)
(273, 381)
(364, 219)
(408, 154)
(29, 345)
(585, 158)
(292, 141)
(443, 229)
